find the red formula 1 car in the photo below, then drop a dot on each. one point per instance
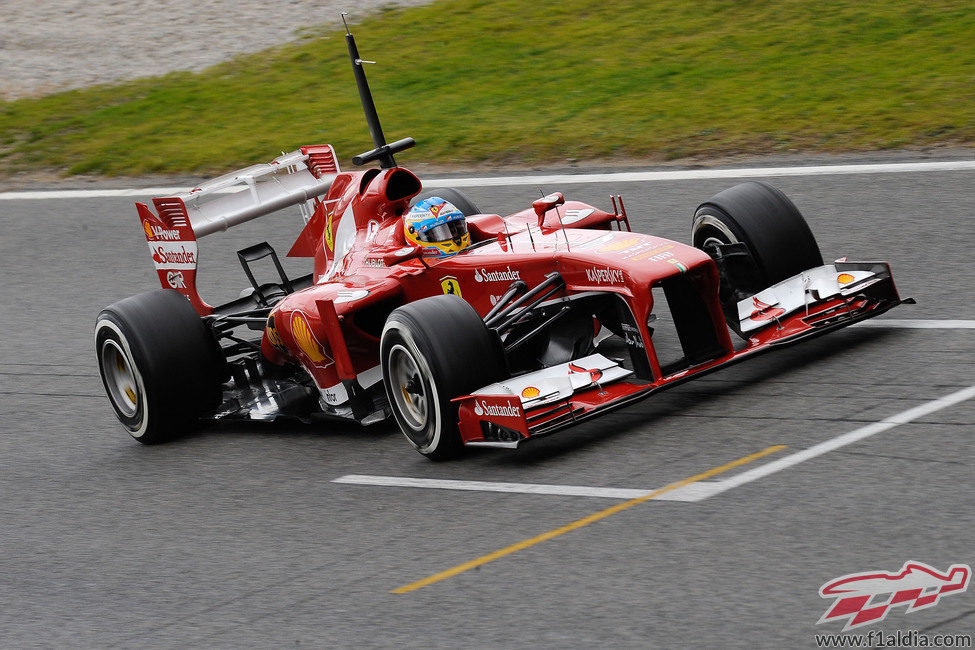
(496, 331)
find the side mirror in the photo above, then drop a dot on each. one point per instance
(397, 256)
(546, 203)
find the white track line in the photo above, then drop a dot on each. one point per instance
(558, 179)
(490, 486)
(945, 324)
(693, 174)
(717, 487)
(693, 492)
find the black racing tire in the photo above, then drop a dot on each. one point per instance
(161, 367)
(767, 222)
(460, 200)
(432, 351)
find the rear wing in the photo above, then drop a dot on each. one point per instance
(296, 178)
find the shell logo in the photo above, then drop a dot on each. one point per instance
(305, 338)
(148, 229)
(530, 392)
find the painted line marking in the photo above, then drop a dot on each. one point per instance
(707, 490)
(694, 174)
(556, 179)
(579, 523)
(491, 486)
(692, 492)
(944, 324)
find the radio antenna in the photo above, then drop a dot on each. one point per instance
(383, 152)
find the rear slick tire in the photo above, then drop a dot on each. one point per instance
(161, 367)
(432, 351)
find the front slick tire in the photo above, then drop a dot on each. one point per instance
(432, 351)
(767, 222)
(159, 363)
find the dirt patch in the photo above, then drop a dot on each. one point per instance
(50, 45)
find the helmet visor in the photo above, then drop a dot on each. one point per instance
(444, 231)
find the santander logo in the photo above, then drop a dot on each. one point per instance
(182, 256)
(497, 411)
(483, 275)
(178, 255)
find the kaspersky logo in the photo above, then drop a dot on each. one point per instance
(604, 275)
(865, 598)
(494, 410)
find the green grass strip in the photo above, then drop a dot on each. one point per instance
(515, 82)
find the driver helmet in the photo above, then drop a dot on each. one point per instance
(437, 226)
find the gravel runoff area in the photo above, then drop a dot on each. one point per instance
(50, 45)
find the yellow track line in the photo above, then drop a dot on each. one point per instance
(585, 521)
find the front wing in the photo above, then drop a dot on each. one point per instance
(539, 403)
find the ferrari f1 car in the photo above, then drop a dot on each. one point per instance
(506, 329)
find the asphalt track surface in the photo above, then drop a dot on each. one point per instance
(238, 536)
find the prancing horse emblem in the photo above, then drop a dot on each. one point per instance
(451, 286)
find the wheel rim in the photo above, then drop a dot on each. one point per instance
(120, 378)
(407, 388)
(711, 230)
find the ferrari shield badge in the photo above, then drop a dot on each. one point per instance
(450, 286)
